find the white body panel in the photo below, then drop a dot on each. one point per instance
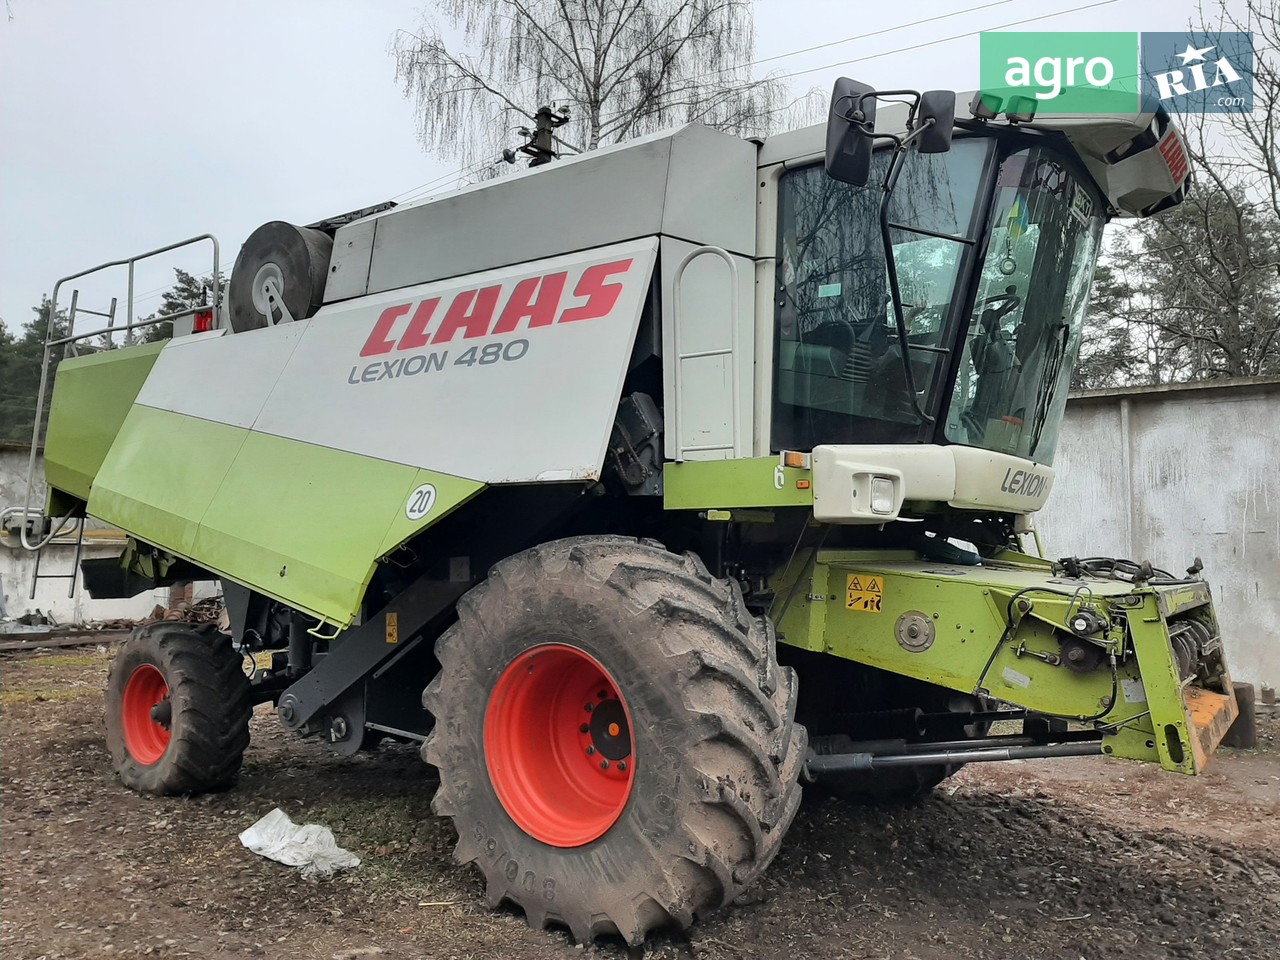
(694, 183)
(535, 402)
(960, 476)
(708, 332)
(235, 375)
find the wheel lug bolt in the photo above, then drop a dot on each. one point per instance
(622, 765)
(585, 728)
(589, 707)
(602, 694)
(604, 764)
(590, 751)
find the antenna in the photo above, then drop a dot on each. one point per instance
(541, 146)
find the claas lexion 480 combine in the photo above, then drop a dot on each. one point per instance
(645, 487)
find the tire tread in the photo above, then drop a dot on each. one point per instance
(744, 705)
(207, 684)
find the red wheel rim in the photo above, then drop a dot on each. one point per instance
(144, 738)
(558, 745)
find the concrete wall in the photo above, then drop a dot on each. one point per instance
(16, 565)
(1170, 473)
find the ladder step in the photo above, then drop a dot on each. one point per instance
(73, 576)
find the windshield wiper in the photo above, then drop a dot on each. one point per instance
(1055, 352)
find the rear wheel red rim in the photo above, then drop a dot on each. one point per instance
(558, 745)
(144, 737)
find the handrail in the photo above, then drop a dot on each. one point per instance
(128, 328)
(136, 325)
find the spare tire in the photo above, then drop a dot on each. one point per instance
(280, 274)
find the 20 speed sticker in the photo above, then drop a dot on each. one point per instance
(420, 502)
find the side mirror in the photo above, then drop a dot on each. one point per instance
(850, 129)
(940, 107)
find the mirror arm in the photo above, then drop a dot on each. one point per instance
(891, 266)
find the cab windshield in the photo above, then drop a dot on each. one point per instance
(838, 374)
(1011, 390)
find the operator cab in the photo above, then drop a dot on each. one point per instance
(973, 254)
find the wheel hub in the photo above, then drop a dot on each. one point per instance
(609, 732)
(146, 714)
(558, 745)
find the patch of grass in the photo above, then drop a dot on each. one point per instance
(376, 821)
(47, 694)
(81, 660)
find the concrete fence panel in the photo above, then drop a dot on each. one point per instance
(1170, 473)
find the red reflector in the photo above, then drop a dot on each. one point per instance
(203, 322)
(1175, 157)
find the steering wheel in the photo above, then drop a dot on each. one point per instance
(998, 306)
(992, 344)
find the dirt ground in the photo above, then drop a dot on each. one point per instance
(1072, 858)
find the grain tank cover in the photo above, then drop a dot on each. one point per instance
(693, 183)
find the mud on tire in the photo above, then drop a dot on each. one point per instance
(177, 710)
(715, 751)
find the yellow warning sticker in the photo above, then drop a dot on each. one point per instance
(865, 593)
(393, 627)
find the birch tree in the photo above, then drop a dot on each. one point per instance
(622, 67)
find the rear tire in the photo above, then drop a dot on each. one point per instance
(177, 710)
(688, 675)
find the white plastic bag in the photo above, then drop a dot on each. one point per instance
(310, 847)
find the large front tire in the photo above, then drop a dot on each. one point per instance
(583, 656)
(177, 710)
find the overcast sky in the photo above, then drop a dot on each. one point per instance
(130, 124)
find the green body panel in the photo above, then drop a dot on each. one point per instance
(851, 605)
(749, 482)
(1185, 724)
(301, 523)
(106, 383)
(161, 474)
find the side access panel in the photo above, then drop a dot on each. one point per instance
(708, 345)
(291, 458)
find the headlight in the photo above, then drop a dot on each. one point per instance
(881, 495)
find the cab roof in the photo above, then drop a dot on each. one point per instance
(1138, 160)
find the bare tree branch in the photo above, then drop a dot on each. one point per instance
(1200, 291)
(628, 67)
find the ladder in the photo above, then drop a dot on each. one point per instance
(73, 576)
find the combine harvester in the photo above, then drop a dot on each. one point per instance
(644, 486)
